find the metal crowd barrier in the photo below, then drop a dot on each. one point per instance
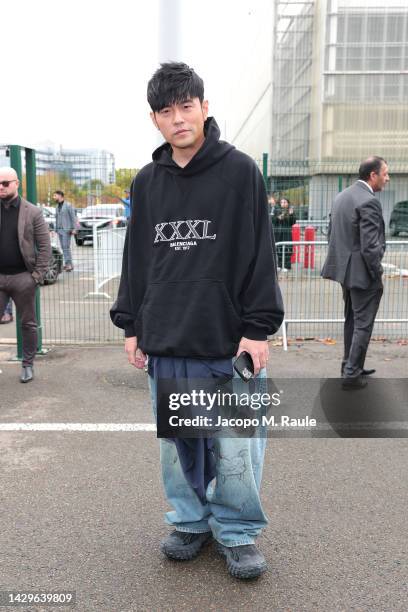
(75, 310)
(314, 306)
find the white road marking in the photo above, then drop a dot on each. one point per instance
(77, 427)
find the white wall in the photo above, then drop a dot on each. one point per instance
(230, 47)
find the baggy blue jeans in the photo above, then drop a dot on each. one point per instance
(65, 242)
(233, 510)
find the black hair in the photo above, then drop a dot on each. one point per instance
(372, 164)
(59, 192)
(173, 82)
(284, 198)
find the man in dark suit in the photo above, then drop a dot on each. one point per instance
(25, 251)
(356, 248)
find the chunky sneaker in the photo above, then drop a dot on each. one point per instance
(243, 561)
(183, 546)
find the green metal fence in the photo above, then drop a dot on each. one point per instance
(75, 305)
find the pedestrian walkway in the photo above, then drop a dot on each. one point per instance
(83, 510)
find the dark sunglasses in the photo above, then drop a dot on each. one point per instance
(7, 183)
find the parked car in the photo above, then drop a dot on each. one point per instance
(104, 215)
(49, 216)
(55, 263)
(399, 218)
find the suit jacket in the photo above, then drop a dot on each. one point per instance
(356, 238)
(34, 239)
(65, 218)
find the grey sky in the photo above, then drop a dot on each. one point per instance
(77, 72)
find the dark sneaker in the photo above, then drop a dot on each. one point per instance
(243, 561)
(183, 546)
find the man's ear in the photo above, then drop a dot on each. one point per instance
(153, 118)
(204, 107)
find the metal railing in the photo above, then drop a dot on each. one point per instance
(314, 306)
(76, 308)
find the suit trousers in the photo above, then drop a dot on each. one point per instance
(21, 288)
(360, 309)
(65, 242)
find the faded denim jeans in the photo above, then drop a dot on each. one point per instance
(233, 511)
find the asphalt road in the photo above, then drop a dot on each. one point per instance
(84, 511)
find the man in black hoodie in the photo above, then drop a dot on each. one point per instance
(198, 287)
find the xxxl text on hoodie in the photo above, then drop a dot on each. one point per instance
(198, 266)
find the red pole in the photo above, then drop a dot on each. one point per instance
(309, 248)
(295, 257)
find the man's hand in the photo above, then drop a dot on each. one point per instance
(73, 232)
(135, 356)
(259, 351)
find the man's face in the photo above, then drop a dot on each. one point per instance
(182, 124)
(380, 180)
(11, 190)
(57, 198)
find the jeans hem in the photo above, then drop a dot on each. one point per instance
(187, 530)
(242, 542)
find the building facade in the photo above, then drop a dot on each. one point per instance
(80, 165)
(339, 93)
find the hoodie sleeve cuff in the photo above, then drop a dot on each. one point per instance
(254, 333)
(130, 331)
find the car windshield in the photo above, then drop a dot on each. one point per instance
(103, 211)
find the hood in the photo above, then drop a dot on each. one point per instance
(210, 153)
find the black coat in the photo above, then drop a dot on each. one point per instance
(282, 227)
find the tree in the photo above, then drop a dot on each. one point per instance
(124, 177)
(51, 181)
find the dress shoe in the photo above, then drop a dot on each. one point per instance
(68, 268)
(27, 374)
(6, 318)
(353, 383)
(363, 372)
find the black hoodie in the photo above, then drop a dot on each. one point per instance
(198, 266)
